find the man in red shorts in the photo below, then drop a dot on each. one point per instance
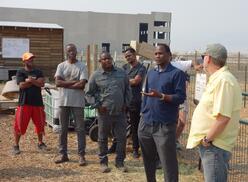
(30, 104)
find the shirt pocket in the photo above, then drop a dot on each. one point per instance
(102, 83)
(208, 97)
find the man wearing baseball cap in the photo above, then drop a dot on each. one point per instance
(215, 121)
(30, 104)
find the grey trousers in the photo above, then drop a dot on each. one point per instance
(118, 123)
(161, 139)
(78, 116)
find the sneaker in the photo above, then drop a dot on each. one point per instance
(82, 161)
(136, 154)
(64, 158)
(105, 168)
(42, 146)
(16, 150)
(121, 167)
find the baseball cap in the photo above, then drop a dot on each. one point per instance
(26, 56)
(217, 51)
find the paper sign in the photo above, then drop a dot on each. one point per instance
(200, 85)
(14, 47)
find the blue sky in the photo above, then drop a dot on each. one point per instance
(195, 23)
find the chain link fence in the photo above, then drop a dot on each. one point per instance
(238, 169)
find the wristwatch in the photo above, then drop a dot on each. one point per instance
(162, 96)
(206, 140)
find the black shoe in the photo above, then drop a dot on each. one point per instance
(104, 168)
(136, 154)
(64, 158)
(82, 161)
(16, 150)
(121, 167)
(112, 149)
(42, 146)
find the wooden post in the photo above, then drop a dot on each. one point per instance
(245, 84)
(88, 59)
(95, 58)
(115, 57)
(238, 60)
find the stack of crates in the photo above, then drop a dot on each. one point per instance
(89, 113)
(51, 103)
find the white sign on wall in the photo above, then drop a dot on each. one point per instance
(200, 85)
(14, 47)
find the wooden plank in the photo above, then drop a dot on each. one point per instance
(46, 44)
(143, 49)
(6, 104)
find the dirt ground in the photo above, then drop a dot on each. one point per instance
(32, 165)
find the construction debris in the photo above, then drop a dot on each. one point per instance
(11, 89)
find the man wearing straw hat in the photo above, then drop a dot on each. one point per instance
(30, 104)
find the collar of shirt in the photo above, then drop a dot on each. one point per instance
(102, 71)
(131, 69)
(168, 67)
(137, 65)
(68, 62)
(217, 73)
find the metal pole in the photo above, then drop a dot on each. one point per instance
(238, 60)
(88, 59)
(245, 84)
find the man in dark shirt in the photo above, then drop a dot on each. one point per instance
(30, 105)
(136, 73)
(110, 88)
(164, 91)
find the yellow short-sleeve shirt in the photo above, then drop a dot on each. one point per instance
(222, 96)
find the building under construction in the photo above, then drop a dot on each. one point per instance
(110, 31)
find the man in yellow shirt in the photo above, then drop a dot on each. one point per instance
(215, 121)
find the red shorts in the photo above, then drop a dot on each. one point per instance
(23, 116)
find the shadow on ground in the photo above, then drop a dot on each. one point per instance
(35, 172)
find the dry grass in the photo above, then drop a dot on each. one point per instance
(32, 165)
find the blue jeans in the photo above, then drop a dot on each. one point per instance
(215, 163)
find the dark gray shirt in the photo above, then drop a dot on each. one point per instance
(110, 89)
(140, 70)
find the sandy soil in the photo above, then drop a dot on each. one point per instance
(32, 165)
